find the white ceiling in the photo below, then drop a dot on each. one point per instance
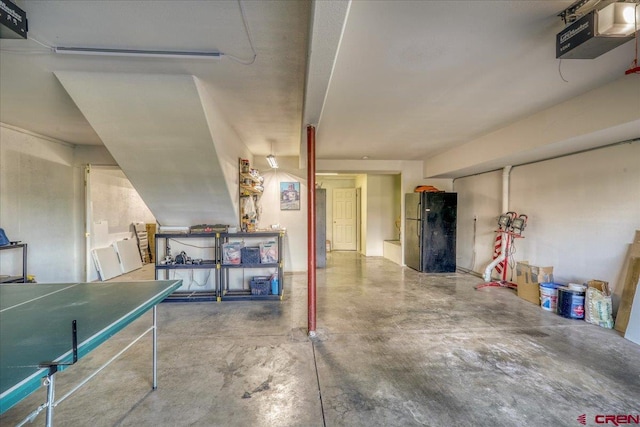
(413, 78)
(261, 101)
(391, 80)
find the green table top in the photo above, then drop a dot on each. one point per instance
(35, 325)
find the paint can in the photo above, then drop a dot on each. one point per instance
(577, 287)
(570, 303)
(549, 296)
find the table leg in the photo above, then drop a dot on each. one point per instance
(50, 383)
(155, 348)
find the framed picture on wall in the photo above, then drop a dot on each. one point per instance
(289, 196)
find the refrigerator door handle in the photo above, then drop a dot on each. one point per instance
(419, 217)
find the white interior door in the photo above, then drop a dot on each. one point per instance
(344, 219)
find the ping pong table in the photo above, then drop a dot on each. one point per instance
(44, 328)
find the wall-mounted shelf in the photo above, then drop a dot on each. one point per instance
(249, 192)
(244, 176)
(249, 189)
(16, 279)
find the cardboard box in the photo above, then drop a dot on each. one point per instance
(529, 277)
(600, 285)
(151, 236)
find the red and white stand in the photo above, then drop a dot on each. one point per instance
(504, 239)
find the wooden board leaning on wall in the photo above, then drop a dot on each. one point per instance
(626, 288)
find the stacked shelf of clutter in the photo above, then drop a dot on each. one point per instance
(195, 259)
(250, 190)
(16, 279)
(252, 265)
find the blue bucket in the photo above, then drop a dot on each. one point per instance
(570, 303)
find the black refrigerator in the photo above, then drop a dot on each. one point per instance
(430, 232)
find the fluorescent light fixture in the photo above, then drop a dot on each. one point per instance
(137, 53)
(618, 19)
(271, 159)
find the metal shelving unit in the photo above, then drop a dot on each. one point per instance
(16, 279)
(228, 293)
(212, 264)
(222, 272)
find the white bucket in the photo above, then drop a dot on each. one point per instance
(548, 296)
(577, 287)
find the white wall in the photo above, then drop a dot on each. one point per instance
(397, 207)
(114, 200)
(116, 205)
(583, 212)
(41, 204)
(228, 145)
(361, 183)
(93, 155)
(605, 115)
(382, 205)
(411, 170)
(479, 197)
(295, 222)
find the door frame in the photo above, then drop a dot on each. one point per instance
(359, 244)
(355, 219)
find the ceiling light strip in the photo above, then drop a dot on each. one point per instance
(136, 53)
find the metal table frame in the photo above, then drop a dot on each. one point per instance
(45, 372)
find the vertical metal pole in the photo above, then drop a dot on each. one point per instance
(155, 348)
(50, 396)
(311, 227)
(24, 263)
(280, 265)
(88, 220)
(155, 243)
(506, 236)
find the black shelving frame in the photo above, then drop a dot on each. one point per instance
(188, 296)
(17, 279)
(222, 271)
(263, 236)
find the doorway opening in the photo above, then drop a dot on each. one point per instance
(362, 211)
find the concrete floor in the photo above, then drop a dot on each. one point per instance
(394, 348)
